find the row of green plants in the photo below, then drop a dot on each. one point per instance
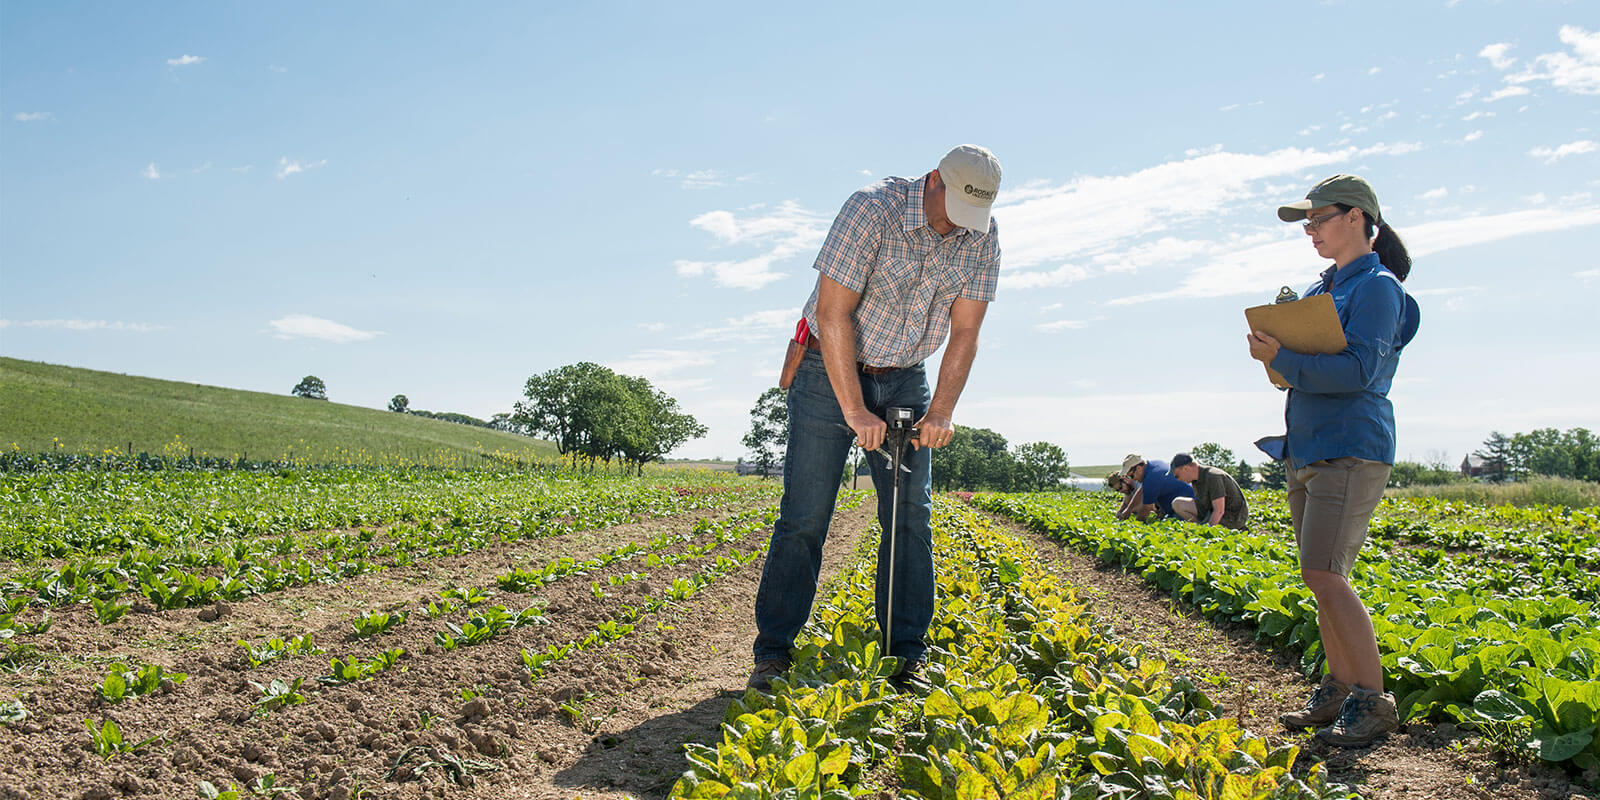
(485, 622)
(680, 589)
(1463, 637)
(193, 577)
(68, 514)
(1525, 532)
(1026, 697)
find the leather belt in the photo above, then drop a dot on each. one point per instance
(813, 343)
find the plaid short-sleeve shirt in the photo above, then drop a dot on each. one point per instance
(908, 275)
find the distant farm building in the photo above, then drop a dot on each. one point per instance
(1474, 466)
(751, 468)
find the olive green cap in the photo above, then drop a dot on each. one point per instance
(1347, 190)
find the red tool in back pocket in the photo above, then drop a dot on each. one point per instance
(796, 352)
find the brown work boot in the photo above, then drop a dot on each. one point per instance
(1365, 717)
(1321, 708)
(908, 679)
(765, 671)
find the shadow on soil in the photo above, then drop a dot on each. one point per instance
(647, 759)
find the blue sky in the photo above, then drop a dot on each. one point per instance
(442, 201)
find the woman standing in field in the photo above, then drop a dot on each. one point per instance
(1341, 443)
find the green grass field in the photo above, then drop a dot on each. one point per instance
(46, 407)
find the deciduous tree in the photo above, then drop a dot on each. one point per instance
(769, 429)
(310, 386)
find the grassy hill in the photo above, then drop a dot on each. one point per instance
(46, 406)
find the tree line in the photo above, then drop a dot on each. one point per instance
(593, 415)
(976, 458)
(1543, 452)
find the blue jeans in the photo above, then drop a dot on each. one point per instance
(819, 444)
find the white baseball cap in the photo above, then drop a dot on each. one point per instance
(971, 177)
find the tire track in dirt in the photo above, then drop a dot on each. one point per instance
(1255, 684)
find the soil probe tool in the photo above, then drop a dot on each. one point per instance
(901, 430)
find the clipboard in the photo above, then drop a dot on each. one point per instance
(1310, 326)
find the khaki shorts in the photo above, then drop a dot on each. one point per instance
(1331, 503)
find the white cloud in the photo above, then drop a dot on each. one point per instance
(1060, 325)
(1060, 276)
(866, 172)
(661, 366)
(1434, 194)
(1552, 155)
(276, 68)
(1319, 76)
(1090, 216)
(287, 167)
(1587, 275)
(184, 60)
(151, 171)
(32, 116)
(753, 327)
(1374, 70)
(780, 233)
(1477, 115)
(81, 325)
(695, 179)
(1051, 307)
(1260, 269)
(1509, 91)
(1472, 137)
(1577, 72)
(304, 326)
(653, 327)
(1496, 53)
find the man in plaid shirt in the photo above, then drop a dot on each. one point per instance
(906, 264)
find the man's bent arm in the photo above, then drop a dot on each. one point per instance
(1217, 507)
(835, 303)
(966, 317)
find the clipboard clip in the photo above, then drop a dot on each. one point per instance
(1286, 295)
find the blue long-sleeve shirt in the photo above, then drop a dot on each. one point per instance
(1339, 404)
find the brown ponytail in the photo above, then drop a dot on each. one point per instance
(1391, 251)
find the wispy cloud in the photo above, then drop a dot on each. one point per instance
(1509, 91)
(185, 60)
(662, 367)
(151, 171)
(1060, 325)
(1587, 275)
(1577, 71)
(1472, 137)
(32, 116)
(699, 178)
(1434, 194)
(81, 325)
(1094, 222)
(1553, 154)
(780, 234)
(752, 327)
(287, 167)
(305, 326)
(1264, 267)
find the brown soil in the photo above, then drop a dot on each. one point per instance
(1256, 684)
(609, 720)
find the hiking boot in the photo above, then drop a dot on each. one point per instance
(1365, 717)
(1321, 708)
(909, 678)
(765, 671)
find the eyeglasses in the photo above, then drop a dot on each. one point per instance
(1316, 222)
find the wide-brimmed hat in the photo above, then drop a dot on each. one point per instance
(1131, 461)
(971, 176)
(1348, 190)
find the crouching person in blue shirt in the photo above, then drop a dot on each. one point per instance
(1340, 444)
(1154, 489)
